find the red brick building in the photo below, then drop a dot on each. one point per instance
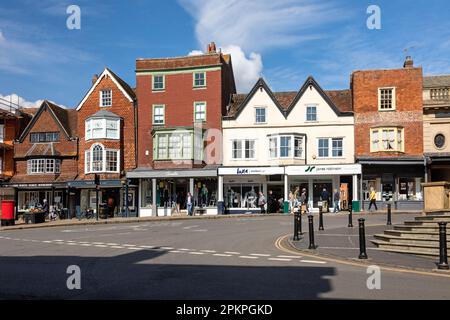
(181, 104)
(107, 144)
(388, 106)
(46, 158)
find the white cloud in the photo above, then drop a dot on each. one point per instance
(246, 28)
(13, 100)
(195, 53)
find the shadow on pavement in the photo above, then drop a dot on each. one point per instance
(135, 276)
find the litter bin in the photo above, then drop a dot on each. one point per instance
(286, 207)
(8, 212)
(356, 207)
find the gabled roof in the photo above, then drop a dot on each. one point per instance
(122, 85)
(65, 118)
(104, 114)
(339, 100)
(436, 81)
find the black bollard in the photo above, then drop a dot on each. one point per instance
(443, 262)
(300, 223)
(312, 245)
(362, 240)
(389, 215)
(350, 216)
(296, 219)
(321, 219)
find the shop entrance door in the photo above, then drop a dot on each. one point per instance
(318, 187)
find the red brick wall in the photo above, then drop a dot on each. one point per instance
(179, 97)
(122, 107)
(408, 113)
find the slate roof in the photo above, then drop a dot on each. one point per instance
(436, 81)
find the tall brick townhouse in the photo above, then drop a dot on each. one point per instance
(181, 104)
(46, 159)
(107, 146)
(387, 106)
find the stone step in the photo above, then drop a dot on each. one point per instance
(415, 234)
(434, 218)
(437, 213)
(421, 228)
(429, 243)
(408, 248)
(422, 223)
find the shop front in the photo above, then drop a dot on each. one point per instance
(322, 180)
(241, 187)
(395, 182)
(115, 197)
(164, 192)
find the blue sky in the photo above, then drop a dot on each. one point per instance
(283, 40)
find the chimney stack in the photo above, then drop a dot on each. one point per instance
(211, 48)
(409, 63)
(94, 79)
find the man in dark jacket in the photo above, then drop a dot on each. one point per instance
(325, 195)
(271, 203)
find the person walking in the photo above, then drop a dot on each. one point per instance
(271, 203)
(325, 200)
(337, 200)
(373, 199)
(303, 203)
(262, 202)
(189, 204)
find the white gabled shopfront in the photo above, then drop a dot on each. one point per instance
(279, 142)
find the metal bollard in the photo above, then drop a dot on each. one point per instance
(321, 219)
(296, 219)
(312, 245)
(362, 240)
(300, 223)
(443, 262)
(350, 216)
(389, 215)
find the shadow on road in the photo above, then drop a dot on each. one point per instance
(135, 276)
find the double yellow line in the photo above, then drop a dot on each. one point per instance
(280, 246)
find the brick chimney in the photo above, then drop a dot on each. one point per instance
(409, 63)
(211, 48)
(94, 78)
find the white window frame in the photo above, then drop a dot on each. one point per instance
(186, 145)
(102, 99)
(330, 147)
(163, 107)
(163, 82)
(200, 103)
(89, 129)
(256, 115)
(292, 150)
(204, 79)
(306, 116)
(243, 149)
(394, 99)
(42, 165)
(89, 155)
(380, 140)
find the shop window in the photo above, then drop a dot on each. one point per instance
(146, 193)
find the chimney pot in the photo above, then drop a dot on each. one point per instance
(409, 63)
(94, 78)
(211, 48)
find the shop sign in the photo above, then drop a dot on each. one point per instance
(324, 170)
(262, 171)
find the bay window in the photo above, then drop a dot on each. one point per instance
(98, 159)
(102, 129)
(286, 146)
(173, 145)
(386, 139)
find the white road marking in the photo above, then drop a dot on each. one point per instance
(98, 243)
(46, 241)
(167, 248)
(313, 261)
(117, 247)
(190, 227)
(112, 244)
(231, 252)
(289, 257)
(279, 259)
(133, 248)
(209, 251)
(248, 257)
(129, 245)
(197, 253)
(259, 255)
(147, 247)
(183, 249)
(175, 251)
(199, 230)
(101, 246)
(222, 255)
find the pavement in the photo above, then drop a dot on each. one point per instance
(229, 259)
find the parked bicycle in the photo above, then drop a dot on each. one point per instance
(87, 214)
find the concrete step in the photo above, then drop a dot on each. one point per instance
(422, 228)
(408, 248)
(437, 213)
(434, 218)
(415, 234)
(431, 223)
(429, 243)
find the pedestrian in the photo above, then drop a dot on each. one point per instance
(262, 202)
(337, 200)
(325, 200)
(303, 203)
(271, 203)
(291, 202)
(373, 199)
(45, 207)
(189, 204)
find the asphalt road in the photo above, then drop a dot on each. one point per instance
(190, 259)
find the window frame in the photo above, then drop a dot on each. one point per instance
(256, 115)
(330, 149)
(154, 89)
(183, 142)
(292, 154)
(194, 79)
(163, 107)
(89, 160)
(309, 106)
(198, 103)
(89, 129)
(380, 139)
(102, 98)
(393, 102)
(244, 149)
(41, 166)
(45, 136)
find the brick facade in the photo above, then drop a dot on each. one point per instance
(179, 97)
(122, 107)
(408, 112)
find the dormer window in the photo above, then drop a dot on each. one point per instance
(106, 98)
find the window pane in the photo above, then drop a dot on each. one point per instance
(111, 160)
(158, 115)
(375, 140)
(158, 82)
(200, 111)
(162, 146)
(285, 147)
(237, 149)
(337, 147)
(311, 113)
(298, 147)
(249, 149)
(112, 129)
(174, 146)
(199, 79)
(106, 98)
(273, 147)
(260, 115)
(97, 159)
(187, 146)
(323, 148)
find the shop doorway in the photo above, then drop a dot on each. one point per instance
(318, 189)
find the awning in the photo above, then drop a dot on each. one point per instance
(194, 173)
